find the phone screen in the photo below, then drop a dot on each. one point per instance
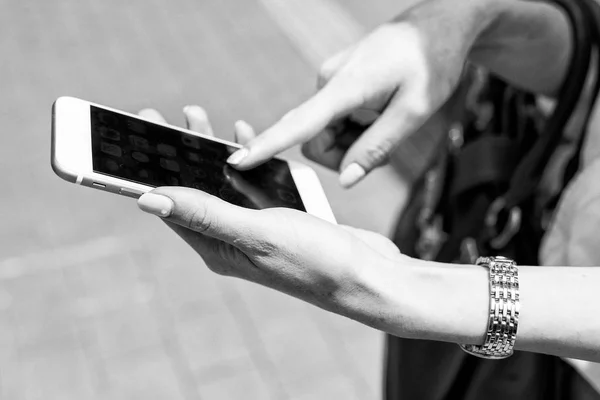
(154, 155)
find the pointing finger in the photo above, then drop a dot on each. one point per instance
(334, 101)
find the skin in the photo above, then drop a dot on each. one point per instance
(360, 274)
(403, 73)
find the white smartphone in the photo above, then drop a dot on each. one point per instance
(121, 153)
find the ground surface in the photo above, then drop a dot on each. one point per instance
(99, 301)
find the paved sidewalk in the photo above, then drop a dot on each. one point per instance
(99, 301)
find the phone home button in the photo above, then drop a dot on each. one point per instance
(130, 193)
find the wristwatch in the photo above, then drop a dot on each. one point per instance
(504, 310)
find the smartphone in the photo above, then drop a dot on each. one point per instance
(119, 152)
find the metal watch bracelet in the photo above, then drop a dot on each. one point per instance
(504, 310)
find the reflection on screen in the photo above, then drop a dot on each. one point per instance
(154, 155)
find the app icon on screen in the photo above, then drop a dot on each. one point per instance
(109, 133)
(214, 151)
(107, 118)
(136, 126)
(111, 149)
(191, 141)
(111, 165)
(166, 150)
(194, 157)
(139, 142)
(144, 173)
(140, 157)
(169, 165)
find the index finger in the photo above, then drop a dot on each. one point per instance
(336, 100)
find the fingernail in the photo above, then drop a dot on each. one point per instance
(237, 157)
(156, 204)
(352, 175)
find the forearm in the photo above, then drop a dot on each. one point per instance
(528, 43)
(560, 310)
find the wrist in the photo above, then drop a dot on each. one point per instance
(465, 21)
(426, 300)
(528, 43)
(487, 32)
(451, 302)
(486, 14)
(379, 296)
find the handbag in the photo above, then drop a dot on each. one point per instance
(480, 196)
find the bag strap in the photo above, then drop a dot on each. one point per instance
(573, 164)
(586, 36)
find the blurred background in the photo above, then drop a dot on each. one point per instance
(100, 301)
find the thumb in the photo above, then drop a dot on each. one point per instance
(203, 213)
(374, 147)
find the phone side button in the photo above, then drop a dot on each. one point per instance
(130, 193)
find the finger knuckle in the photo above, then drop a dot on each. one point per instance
(379, 153)
(199, 220)
(260, 248)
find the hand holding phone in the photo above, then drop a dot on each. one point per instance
(114, 151)
(289, 251)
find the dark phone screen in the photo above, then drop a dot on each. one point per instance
(143, 152)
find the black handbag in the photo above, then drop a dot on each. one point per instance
(481, 196)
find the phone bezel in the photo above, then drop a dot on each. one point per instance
(72, 157)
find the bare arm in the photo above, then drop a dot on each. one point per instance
(560, 310)
(360, 274)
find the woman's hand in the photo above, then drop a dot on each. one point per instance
(401, 74)
(324, 264)
(406, 69)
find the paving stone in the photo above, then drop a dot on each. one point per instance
(142, 374)
(227, 369)
(123, 331)
(247, 385)
(367, 354)
(98, 300)
(40, 306)
(356, 348)
(330, 386)
(188, 283)
(299, 353)
(54, 369)
(8, 342)
(207, 339)
(273, 311)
